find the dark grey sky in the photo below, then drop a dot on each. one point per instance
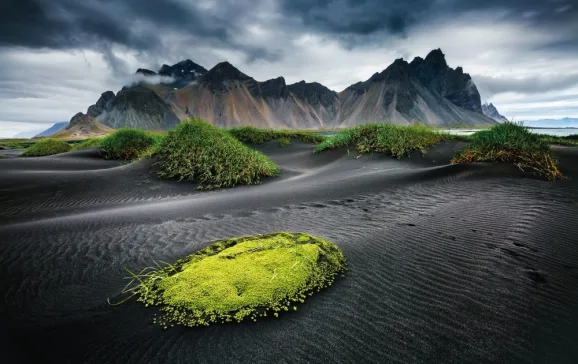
(57, 56)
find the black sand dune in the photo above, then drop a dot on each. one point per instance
(447, 263)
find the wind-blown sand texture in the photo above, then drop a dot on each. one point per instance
(446, 263)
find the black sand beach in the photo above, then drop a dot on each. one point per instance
(447, 263)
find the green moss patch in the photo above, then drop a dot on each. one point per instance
(240, 278)
(393, 140)
(511, 143)
(197, 151)
(127, 144)
(46, 147)
(251, 135)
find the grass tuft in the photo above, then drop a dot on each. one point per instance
(251, 135)
(284, 142)
(238, 279)
(88, 143)
(127, 144)
(511, 143)
(197, 151)
(394, 140)
(46, 147)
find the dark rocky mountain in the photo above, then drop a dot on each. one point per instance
(425, 90)
(183, 72)
(137, 107)
(53, 129)
(103, 104)
(146, 72)
(313, 92)
(82, 125)
(491, 111)
(456, 86)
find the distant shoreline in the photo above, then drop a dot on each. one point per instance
(549, 127)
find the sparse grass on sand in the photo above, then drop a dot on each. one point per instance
(15, 143)
(570, 140)
(128, 144)
(88, 143)
(197, 151)
(251, 135)
(239, 278)
(511, 143)
(46, 147)
(394, 140)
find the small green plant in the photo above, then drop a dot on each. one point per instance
(511, 143)
(284, 142)
(197, 151)
(88, 143)
(127, 144)
(393, 140)
(251, 135)
(236, 279)
(46, 147)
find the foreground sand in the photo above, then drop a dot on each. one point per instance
(447, 263)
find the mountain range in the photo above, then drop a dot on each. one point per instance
(53, 129)
(423, 90)
(552, 123)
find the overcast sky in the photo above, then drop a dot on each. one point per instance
(58, 56)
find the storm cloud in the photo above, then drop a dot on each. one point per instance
(59, 55)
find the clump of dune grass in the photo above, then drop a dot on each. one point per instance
(251, 135)
(511, 143)
(393, 140)
(197, 151)
(88, 143)
(284, 142)
(46, 147)
(127, 144)
(240, 278)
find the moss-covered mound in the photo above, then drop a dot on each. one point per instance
(393, 140)
(126, 144)
(46, 147)
(511, 143)
(197, 151)
(249, 134)
(240, 278)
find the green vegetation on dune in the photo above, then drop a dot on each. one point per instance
(284, 142)
(15, 143)
(393, 140)
(570, 140)
(88, 143)
(240, 278)
(46, 147)
(128, 144)
(197, 151)
(511, 143)
(251, 135)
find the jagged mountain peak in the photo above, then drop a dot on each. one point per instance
(436, 57)
(491, 111)
(146, 72)
(224, 71)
